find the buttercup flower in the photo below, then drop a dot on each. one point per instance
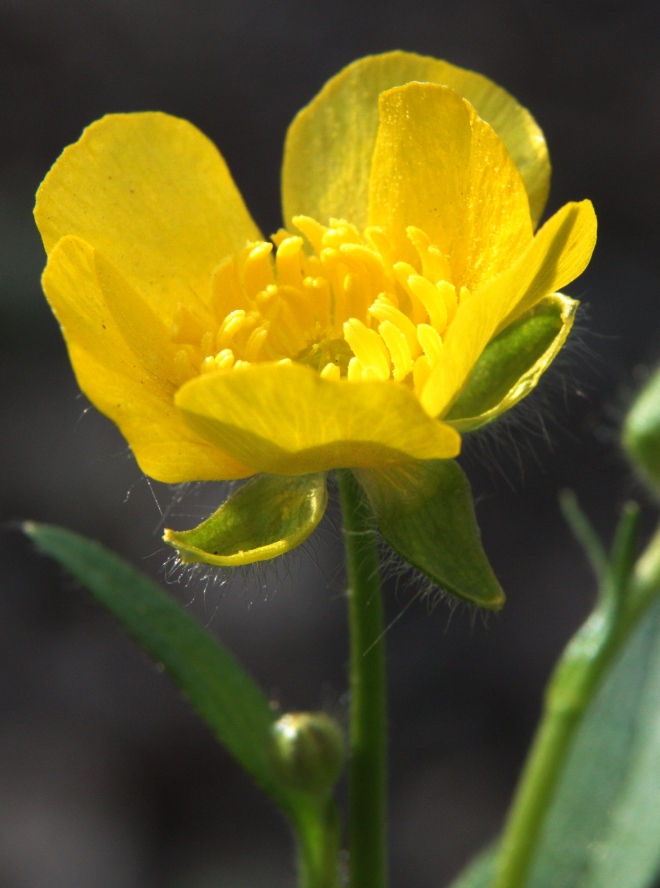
(406, 300)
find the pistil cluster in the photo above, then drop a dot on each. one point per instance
(348, 309)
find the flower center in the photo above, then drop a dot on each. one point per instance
(349, 308)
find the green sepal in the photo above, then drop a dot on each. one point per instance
(266, 517)
(513, 362)
(425, 512)
(641, 432)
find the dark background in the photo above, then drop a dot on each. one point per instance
(107, 779)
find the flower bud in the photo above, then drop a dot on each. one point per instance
(641, 431)
(308, 751)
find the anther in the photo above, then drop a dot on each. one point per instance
(231, 325)
(435, 263)
(431, 298)
(448, 293)
(207, 344)
(368, 262)
(287, 260)
(256, 342)
(398, 348)
(227, 294)
(185, 326)
(430, 340)
(383, 310)
(331, 371)
(258, 268)
(184, 368)
(369, 348)
(312, 230)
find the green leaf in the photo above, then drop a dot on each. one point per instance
(266, 517)
(480, 872)
(220, 690)
(512, 364)
(424, 510)
(603, 828)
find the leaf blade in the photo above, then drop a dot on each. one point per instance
(612, 766)
(223, 694)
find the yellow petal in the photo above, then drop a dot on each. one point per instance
(127, 389)
(154, 195)
(329, 145)
(559, 252)
(287, 420)
(437, 166)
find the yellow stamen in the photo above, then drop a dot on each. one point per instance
(312, 230)
(232, 324)
(184, 369)
(367, 263)
(429, 295)
(331, 371)
(430, 340)
(421, 372)
(256, 342)
(368, 348)
(317, 291)
(207, 344)
(354, 370)
(448, 293)
(227, 294)
(287, 305)
(185, 326)
(397, 344)
(288, 261)
(356, 296)
(403, 272)
(435, 263)
(258, 268)
(378, 240)
(383, 310)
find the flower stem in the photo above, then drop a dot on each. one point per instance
(318, 832)
(368, 739)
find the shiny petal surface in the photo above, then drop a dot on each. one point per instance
(266, 517)
(154, 195)
(119, 370)
(437, 166)
(559, 252)
(285, 419)
(329, 146)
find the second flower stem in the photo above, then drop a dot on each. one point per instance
(368, 743)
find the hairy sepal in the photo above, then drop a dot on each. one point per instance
(424, 510)
(266, 517)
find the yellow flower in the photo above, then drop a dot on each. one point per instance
(344, 341)
(407, 299)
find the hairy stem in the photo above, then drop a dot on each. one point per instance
(368, 740)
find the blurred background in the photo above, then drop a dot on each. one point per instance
(107, 778)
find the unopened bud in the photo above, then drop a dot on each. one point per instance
(308, 751)
(641, 431)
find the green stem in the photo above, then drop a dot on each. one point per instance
(318, 833)
(368, 739)
(566, 702)
(623, 601)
